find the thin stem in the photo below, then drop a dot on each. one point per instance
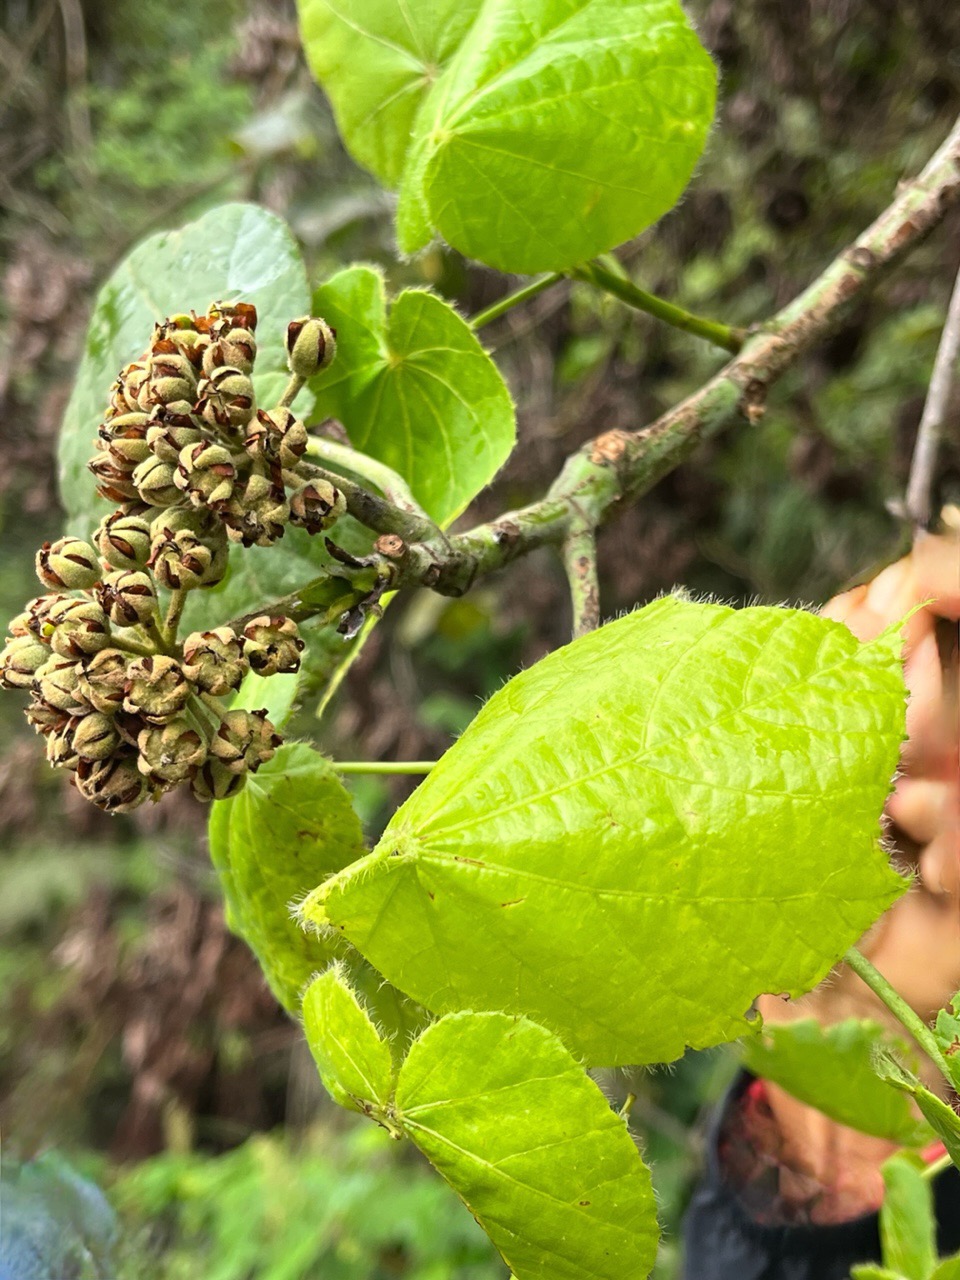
(171, 622)
(390, 484)
(580, 562)
(374, 512)
(895, 1002)
(384, 766)
(516, 299)
(918, 502)
(130, 646)
(291, 391)
(934, 1170)
(721, 335)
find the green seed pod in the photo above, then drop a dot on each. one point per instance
(171, 752)
(156, 689)
(21, 660)
(171, 430)
(154, 481)
(214, 781)
(113, 483)
(35, 619)
(125, 392)
(43, 718)
(95, 736)
(272, 644)
(214, 660)
(124, 541)
(58, 684)
(207, 475)
(316, 505)
(128, 596)
(104, 681)
(236, 347)
(126, 454)
(172, 376)
(311, 346)
(244, 741)
(180, 563)
(115, 785)
(81, 630)
(123, 426)
(68, 564)
(277, 435)
(61, 746)
(233, 395)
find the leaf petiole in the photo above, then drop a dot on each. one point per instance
(384, 766)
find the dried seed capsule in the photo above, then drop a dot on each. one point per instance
(125, 392)
(124, 541)
(272, 644)
(171, 752)
(316, 505)
(21, 660)
(258, 514)
(172, 376)
(233, 315)
(278, 435)
(214, 781)
(104, 681)
(244, 741)
(154, 480)
(58, 684)
(123, 426)
(231, 395)
(35, 619)
(207, 475)
(311, 346)
(128, 597)
(113, 483)
(214, 660)
(180, 563)
(156, 689)
(68, 564)
(81, 630)
(115, 784)
(172, 428)
(43, 718)
(235, 347)
(61, 747)
(95, 736)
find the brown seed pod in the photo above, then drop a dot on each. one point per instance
(69, 564)
(311, 346)
(156, 689)
(128, 596)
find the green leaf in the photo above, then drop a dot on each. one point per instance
(907, 1226)
(871, 1272)
(236, 251)
(415, 389)
(292, 823)
(943, 1120)
(559, 129)
(949, 1269)
(947, 1034)
(831, 1068)
(377, 59)
(276, 695)
(354, 1062)
(528, 1141)
(644, 831)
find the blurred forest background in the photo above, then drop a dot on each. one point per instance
(136, 1035)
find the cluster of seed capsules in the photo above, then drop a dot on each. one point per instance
(193, 466)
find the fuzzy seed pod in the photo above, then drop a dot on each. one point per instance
(278, 436)
(21, 660)
(172, 428)
(316, 505)
(154, 481)
(123, 426)
(58, 684)
(258, 514)
(235, 347)
(207, 475)
(214, 781)
(230, 395)
(61, 749)
(128, 596)
(104, 681)
(81, 630)
(172, 376)
(171, 752)
(232, 315)
(125, 392)
(124, 541)
(156, 689)
(180, 563)
(36, 620)
(127, 453)
(115, 784)
(45, 719)
(214, 660)
(244, 741)
(113, 483)
(68, 564)
(311, 346)
(272, 645)
(95, 736)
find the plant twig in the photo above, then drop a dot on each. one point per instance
(393, 486)
(936, 1168)
(384, 766)
(943, 380)
(374, 512)
(580, 562)
(895, 1002)
(721, 335)
(497, 309)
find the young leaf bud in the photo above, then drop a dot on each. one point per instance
(21, 660)
(207, 474)
(128, 597)
(171, 752)
(311, 346)
(316, 505)
(214, 660)
(154, 482)
(156, 689)
(180, 563)
(81, 630)
(272, 645)
(95, 736)
(58, 684)
(68, 564)
(214, 781)
(104, 681)
(244, 741)
(124, 541)
(115, 784)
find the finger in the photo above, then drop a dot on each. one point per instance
(940, 863)
(928, 749)
(920, 807)
(936, 573)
